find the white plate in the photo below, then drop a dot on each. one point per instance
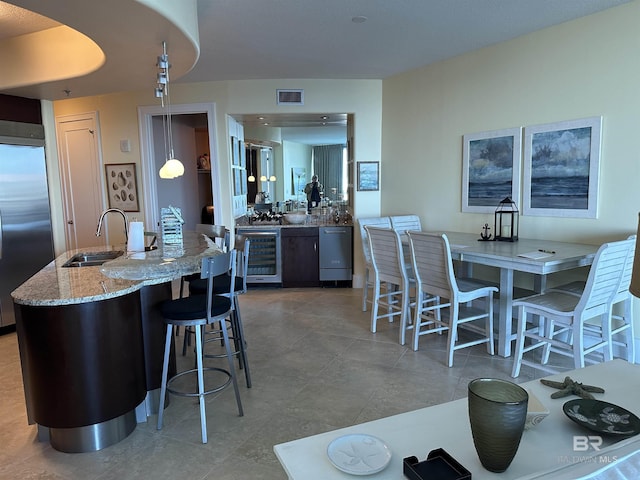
(359, 454)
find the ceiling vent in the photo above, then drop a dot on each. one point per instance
(290, 97)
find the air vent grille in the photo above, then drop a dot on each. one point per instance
(290, 97)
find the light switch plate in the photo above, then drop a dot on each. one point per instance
(125, 145)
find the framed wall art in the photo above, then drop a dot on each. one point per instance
(368, 176)
(490, 169)
(562, 168)
(122, 186)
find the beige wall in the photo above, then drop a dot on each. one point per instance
(579, 69)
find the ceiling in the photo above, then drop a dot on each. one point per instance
(283, 39)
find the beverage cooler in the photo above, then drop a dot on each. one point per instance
(265, 265)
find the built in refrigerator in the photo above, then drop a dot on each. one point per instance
(26, 243)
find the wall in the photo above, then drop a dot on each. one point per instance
(587, 67)
(561, 73)
(118, 119)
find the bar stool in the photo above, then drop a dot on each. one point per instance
(220, 235)
(620, 330)
(199, 311)
(566, 313)
(390, 273)
(221, 286)
(382, 222)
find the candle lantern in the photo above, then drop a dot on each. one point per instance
(506, 221)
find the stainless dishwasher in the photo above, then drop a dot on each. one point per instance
(265, 264)
(336, 253)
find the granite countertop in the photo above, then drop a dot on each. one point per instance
(58, 285)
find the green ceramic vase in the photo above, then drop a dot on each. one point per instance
(497, 414)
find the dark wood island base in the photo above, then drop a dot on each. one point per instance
(91, 342)
(88, 366)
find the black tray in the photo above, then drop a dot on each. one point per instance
(438, 465)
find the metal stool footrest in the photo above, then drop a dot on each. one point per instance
(217, 388)
(223, 354)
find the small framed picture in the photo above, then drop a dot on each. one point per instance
(122, 186)
(368, 176)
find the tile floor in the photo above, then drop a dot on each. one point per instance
(315, 367)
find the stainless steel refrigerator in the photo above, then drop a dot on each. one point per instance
(26, 242)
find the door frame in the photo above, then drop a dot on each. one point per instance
(147, 164)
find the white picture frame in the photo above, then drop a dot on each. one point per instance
(562, 168)
(490, 169)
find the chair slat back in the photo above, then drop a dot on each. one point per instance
(211, 267)
(382, 222)
(217, 233)
(241, 246)
(625, 282)
(386, 254)
(605, 275)
(432, 263)
(402, 223)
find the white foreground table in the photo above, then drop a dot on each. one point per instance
(547, 448)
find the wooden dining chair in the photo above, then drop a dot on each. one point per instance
(562, 315)
(403, 223)
(438, 289)
(620, 328)
(382, 222)
(391, 284)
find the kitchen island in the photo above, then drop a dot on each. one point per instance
(91, 341)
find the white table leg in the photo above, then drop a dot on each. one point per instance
(505, 314)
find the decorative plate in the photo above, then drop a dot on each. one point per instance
(602, 417)
(359, 454)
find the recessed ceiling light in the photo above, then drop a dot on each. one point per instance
(260, 118)
(324, 117)
(359, 19)
(265, 124)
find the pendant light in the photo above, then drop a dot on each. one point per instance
(172, 167)
(252, 177)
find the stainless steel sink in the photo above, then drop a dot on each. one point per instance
(92, 259)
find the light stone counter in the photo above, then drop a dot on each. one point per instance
(58, 285)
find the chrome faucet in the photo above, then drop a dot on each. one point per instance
(124, 218)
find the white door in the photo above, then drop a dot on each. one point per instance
(80, 168)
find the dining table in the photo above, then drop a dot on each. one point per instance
(534, 256)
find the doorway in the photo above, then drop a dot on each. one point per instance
(82, 180)
(188, 122)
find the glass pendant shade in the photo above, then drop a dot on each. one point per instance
(263, 178)
(251, 178)
(272, 178)
(171, 169)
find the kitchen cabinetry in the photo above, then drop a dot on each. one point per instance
(300, 257)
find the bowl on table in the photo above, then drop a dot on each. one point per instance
(295, 218)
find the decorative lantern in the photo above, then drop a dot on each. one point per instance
(171, 221)
(506, 221)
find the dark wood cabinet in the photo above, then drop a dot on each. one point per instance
(300, 259)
